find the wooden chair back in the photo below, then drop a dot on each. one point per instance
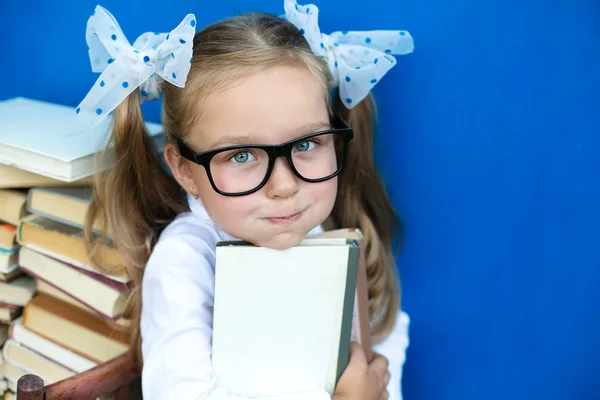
(113, 377)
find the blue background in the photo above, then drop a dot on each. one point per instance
(489, 144)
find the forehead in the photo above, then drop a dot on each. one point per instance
(269, 107)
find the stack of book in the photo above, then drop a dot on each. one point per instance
(16, 289)
(59, 315)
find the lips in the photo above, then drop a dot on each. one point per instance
(289, 218)
(286, 216)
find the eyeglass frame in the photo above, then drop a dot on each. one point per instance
(204, 158)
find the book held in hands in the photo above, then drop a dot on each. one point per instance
(283, 319)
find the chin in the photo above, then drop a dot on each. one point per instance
(282, 241)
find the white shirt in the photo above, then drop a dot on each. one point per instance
(177, 307)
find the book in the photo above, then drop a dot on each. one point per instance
(361, 324)
(18, 291)
(299, 303)
(51, 140)
(4, 333)
(8, 261)
(48, 349)
(8, 236)
(8, 312)
(9, 276)
(12, 205)
(34, 363)
(70, 327)
(14, 178)
(66, 243)
(12, 373)
(67, 205)
(106, 297)
(44, 287)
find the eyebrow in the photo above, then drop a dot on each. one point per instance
(306, 129)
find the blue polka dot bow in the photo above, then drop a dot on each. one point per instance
(124, 67)
(357, 59)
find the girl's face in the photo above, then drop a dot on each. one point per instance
(270, 107)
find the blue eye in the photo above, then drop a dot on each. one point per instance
(242, 157)
(305, 145)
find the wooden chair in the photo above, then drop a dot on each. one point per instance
(113, 377)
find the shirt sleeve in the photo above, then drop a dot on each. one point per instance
(394, 349)
(176, 323)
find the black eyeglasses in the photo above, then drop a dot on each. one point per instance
(244, 169)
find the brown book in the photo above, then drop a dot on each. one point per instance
(66, 243)
(79, 331)
(361, 324)
(12, 204)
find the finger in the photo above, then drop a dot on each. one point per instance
(386, 378)
(377, 356)
(384, 395)
(379, 365)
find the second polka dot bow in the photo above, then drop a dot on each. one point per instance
(125, 67)
(357, 60)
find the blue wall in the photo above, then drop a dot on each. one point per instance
(489, 144)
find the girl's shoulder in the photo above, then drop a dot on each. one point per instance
(189, 225)
(187, 242)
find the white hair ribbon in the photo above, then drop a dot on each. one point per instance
(357, 59)
(125, 67)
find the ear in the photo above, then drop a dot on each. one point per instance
(179, 167)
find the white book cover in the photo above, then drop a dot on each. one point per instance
(51, 140)
(282, 318)
(31, 362)
(49, 349)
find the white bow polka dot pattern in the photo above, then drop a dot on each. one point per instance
(357, 59)
(125, 67)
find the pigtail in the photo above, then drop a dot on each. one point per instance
(136, 199)
(363, 203)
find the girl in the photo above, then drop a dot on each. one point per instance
(242, 83)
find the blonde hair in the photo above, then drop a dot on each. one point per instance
(138, 198)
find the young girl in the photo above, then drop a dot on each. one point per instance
(242, 100)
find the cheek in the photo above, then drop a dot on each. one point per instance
(323, 196)
(228, 213)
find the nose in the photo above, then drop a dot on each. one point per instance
(282, 183)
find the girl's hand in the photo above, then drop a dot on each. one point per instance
(362, 380)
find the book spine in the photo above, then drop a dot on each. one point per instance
(349, 296)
